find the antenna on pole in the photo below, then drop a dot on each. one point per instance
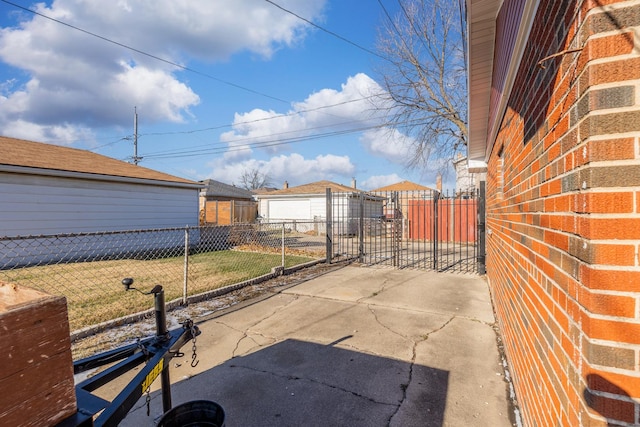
(136, 159)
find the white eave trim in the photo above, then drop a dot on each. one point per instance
(96, 177)
(481, 27)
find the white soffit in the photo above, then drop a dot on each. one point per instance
(481, 26)
(481, 30)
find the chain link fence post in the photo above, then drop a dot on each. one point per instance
(283, 249)
(186, 266)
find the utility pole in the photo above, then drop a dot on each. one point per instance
(136, 159)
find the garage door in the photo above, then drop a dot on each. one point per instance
(290, 209)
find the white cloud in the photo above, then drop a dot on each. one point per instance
(63, 134)
(292, 168)
(378, 181)
(80, 80)
(389, 144)
(325, 112)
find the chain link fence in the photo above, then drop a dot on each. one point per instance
(88, 268)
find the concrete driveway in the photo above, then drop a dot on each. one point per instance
(354, 347)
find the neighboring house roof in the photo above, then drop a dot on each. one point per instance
(315, 188)
(264, 190)
(22, 156)
(215, 188)
(402, 186)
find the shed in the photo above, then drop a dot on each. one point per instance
(224, 204)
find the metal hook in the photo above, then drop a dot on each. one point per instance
(194, 362)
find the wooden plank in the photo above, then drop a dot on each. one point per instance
(38, 367)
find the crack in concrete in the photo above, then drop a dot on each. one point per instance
(405, 386)
(382, 288)
(379, 322)
(313, 381)
(444, 325)
(245, 333)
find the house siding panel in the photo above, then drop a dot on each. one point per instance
(563, 218)
(318, 207)
(39, 205)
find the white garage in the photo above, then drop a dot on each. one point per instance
(309, 203)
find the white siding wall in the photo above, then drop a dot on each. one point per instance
(37, 205)
(292, 208)
(286, 210)
(263, 208)
(309, 208)
(319, 207)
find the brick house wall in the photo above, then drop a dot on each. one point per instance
(563, 217)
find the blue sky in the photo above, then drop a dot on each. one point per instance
(258, 88)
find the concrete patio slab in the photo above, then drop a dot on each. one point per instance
(354, 347)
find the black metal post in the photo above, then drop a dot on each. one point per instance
(435, 237)
(394, 228)
(161, 334)
(361, 229)
(329, 215)
(482, 229)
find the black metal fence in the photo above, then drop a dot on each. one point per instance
(422, 229)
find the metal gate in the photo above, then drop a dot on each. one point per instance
(424, 229)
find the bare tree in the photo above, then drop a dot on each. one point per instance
(252, 179)
(425, 77)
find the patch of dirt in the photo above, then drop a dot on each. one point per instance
(129, 333)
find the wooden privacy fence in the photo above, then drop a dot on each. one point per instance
(445, 220)
(230, 212)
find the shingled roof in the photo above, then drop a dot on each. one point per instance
(215, 188)
(44, 158)
(319, 187)
(403, 186)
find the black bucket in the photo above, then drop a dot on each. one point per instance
(197, 413)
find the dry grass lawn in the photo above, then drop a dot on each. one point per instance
(94, 292)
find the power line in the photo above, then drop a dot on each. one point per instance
(278, 116)
(270, 143)
(182, 67)
(262, 144)
(250, 138)
(141, 52)
(410, 21)
(186, 132)
(327, 31)
(393, 24)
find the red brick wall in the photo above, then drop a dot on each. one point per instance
(563, 217)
